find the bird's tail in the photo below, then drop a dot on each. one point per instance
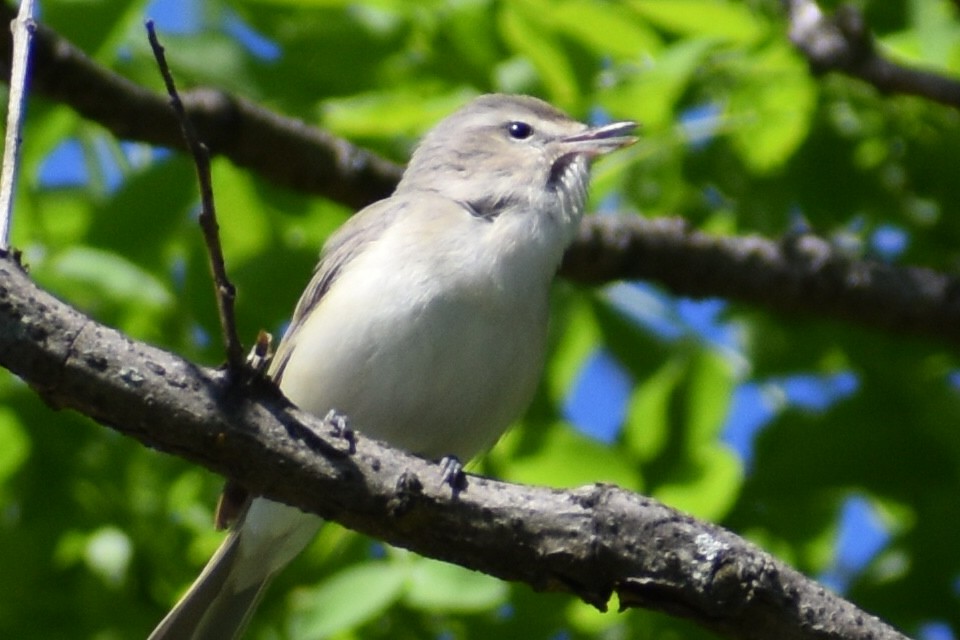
(217, 606)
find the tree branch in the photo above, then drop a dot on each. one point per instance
(803, 274)
(252, 137)
(594, 541)
(843, 43)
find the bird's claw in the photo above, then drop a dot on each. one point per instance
(339, 424)
(451, 470)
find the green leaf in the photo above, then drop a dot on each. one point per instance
(728, 21)
(14, 445)
(931, 39)
(648, 413)
(650, 93)
(97, 28)
(588, 620)
(92, 275)
(470, 31)
(406, 110)
(711, 383)
(564, 457)
(244, 229)
(329, 4)
(436, 586)
(214, 59)
(577, 336)
(771, 111)
(633, 345)
(152, 202)
(607, 28)
(707, 488)
(348, 599)
(525, 28)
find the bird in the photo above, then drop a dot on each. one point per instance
(425, 321)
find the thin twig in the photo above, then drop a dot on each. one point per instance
(22, 27)
(225, 291)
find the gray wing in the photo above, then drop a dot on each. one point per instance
(363, 228)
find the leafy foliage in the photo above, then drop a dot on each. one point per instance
(100, 534)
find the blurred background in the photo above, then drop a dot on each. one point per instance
(835, 447)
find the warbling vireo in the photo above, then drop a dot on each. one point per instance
(425, 321)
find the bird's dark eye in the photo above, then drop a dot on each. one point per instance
(519, 130)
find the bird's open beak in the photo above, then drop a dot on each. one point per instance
(603, 139)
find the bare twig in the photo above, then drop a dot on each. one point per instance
(22, 27)
(225, 291)
(843, 43)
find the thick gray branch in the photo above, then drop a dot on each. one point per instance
(593, 541)
(802, 274)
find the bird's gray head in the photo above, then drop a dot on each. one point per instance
(517, 153)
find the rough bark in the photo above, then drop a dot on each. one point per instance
(594, 541)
